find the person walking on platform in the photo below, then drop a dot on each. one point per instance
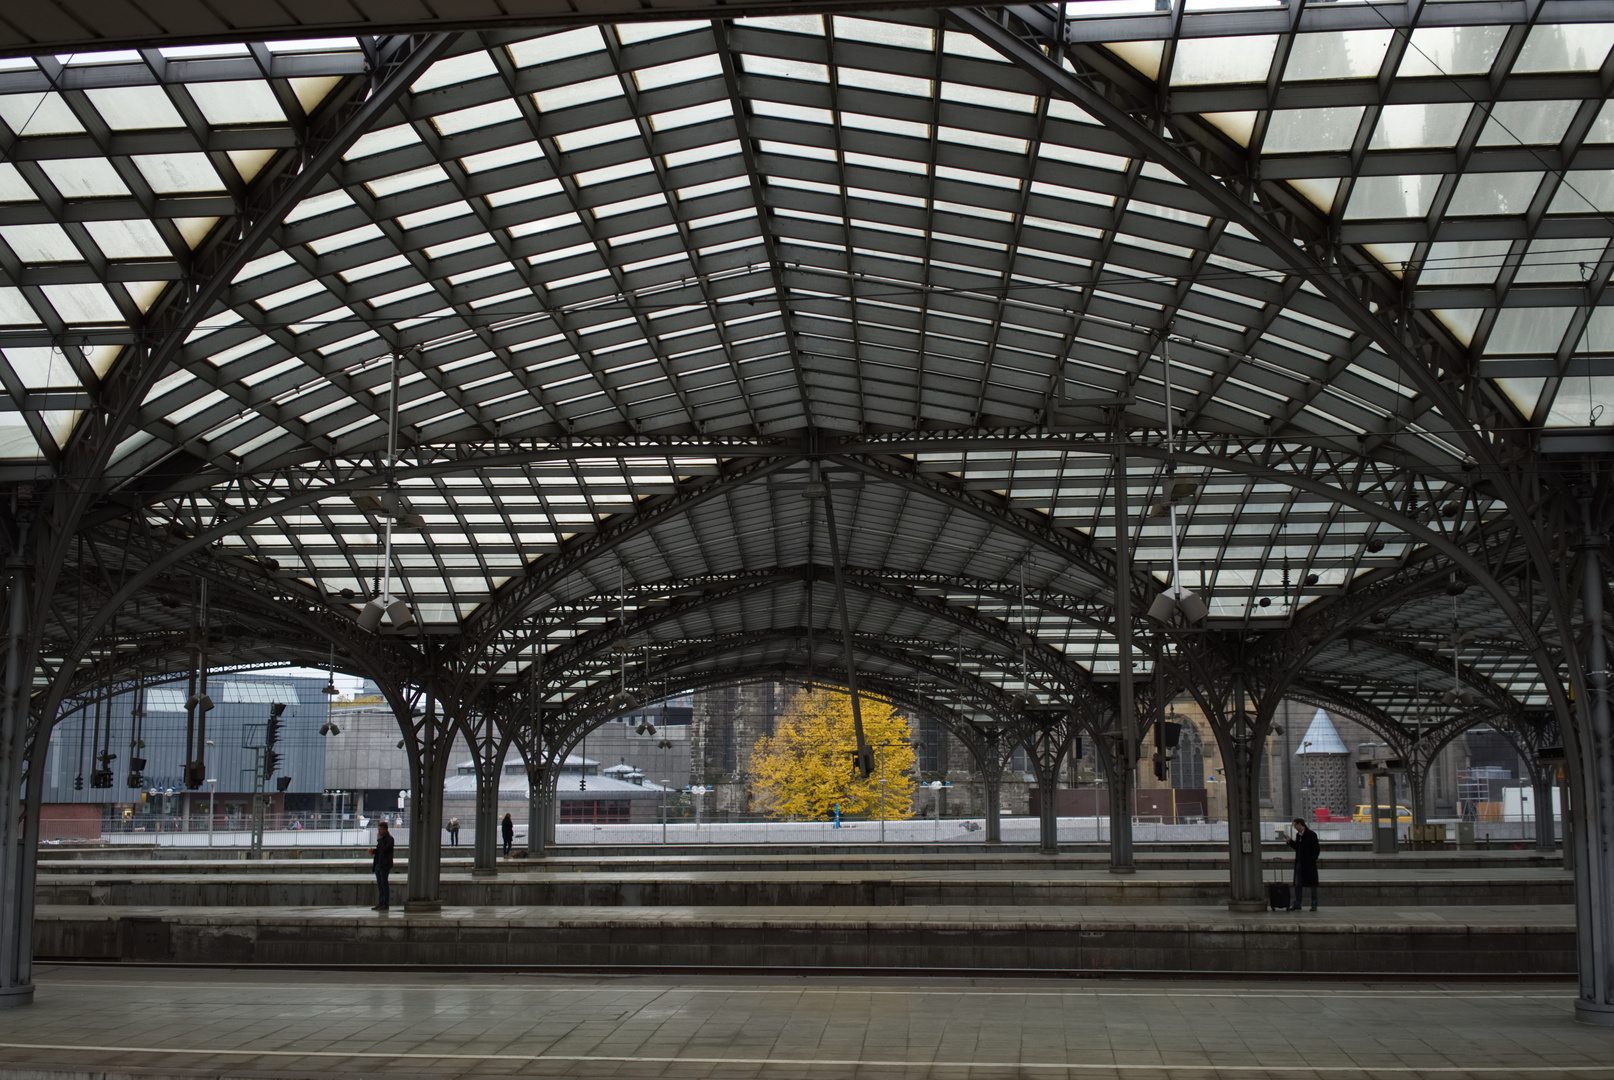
(507, 829)
(1307, 849)
(454, 831)
(381, 863)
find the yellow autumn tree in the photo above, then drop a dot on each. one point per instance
(806, 767)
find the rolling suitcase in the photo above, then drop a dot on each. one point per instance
(1278, 895)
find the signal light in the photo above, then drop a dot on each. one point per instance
(271, 762)
(282, 783)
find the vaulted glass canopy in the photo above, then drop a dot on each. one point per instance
(870, 237)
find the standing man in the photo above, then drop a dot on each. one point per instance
(381, 863)
(507, 829)
(1306, 848)
(454, 831)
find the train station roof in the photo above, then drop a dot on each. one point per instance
(662, 296)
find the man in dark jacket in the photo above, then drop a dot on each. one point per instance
(381, 863)
(1306, 848)
(507, 828)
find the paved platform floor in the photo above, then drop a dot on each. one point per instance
(107, 1023)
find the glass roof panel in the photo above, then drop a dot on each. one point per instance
(1203, 61)
(38, 114)
(1451, 50)
(1528, 123)
(1299, 131)
(84, 177)
(1565, 47)
(1493, 193)
(1527, 331)
(1392, 196)
(240, 102)
(136, 108)
(1348, 54)
(1408, 126)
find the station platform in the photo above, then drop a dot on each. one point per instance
(1426, 941)
(101, 1023)
(1352, 879)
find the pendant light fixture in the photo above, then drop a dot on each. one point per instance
(1174, 597)
(390, 507)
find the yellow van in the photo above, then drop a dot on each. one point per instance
(1403, 816)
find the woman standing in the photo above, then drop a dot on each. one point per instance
(507, 828)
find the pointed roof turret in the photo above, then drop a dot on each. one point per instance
(1321, 738)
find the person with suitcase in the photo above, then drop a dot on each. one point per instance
(1306, 848)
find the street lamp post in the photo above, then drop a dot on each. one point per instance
(663, 784)
(212, 791)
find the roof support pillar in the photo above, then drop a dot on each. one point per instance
(1126, 757)
(1594, 813)
(19, 828)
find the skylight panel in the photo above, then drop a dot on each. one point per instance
(40, 243)
(1493, 193)
(498, 159)
(880, 161)
(379, 142)
(237, 102)
(1393, 196)
(170, 174)
(1205, 61)
(713, 188)
(633, 33)
(579, 93)
(1558, 260)
(985, 140)
(370, 270)
(84, 178)
(316, 205)
(694, 114)
(38, 114)
(538, 190)
(552, 47)
(1410, 126)
(1299, 131)
(679, 71)
(1079, 156)
(779, 68)
(973, 176)
(680, 158)
(13, 188)
(128, 239)
(1351, 54)
(80, 304)
(455, 69)
(453, 247)
(1528, 123)
(1528, 331)
(1463, 262)
(477, 116)
(957, 43)
(457, 208)
(347, 238)
(406, 181)
(1585, 192)
(886, 81)
(628, 206)
(620, 171)
(969, 94)
(1565, 47)
(262, 265)
(14, 310)
(1451, 50)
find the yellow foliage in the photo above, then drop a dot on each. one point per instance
(807, 766)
